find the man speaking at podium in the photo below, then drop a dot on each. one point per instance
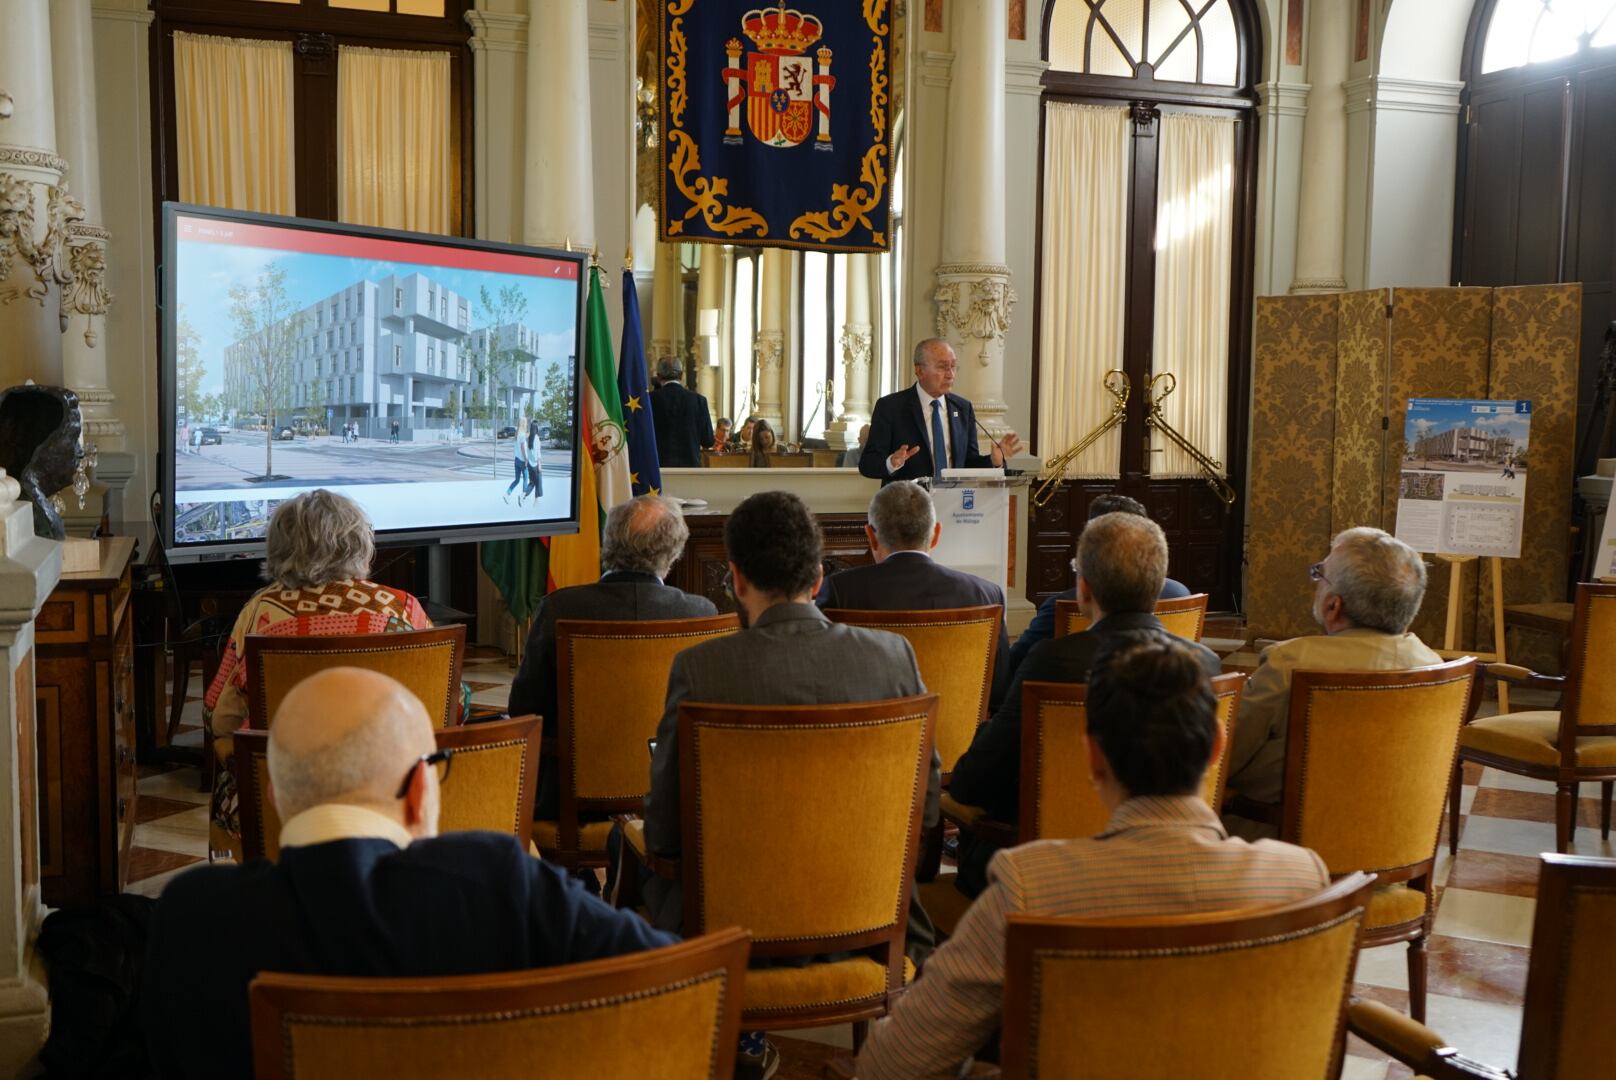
(925, 429)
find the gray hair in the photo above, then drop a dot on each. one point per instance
(924, 349)
(1380, 579)
(645, 534)
(316, 538)
(353, 761)
(1123, 557)
(902, 516)
(668, 369)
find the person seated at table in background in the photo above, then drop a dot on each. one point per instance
(1152, 731)
(721, 434)
(363, 886)
(742, 439)
(763, 444)
(317, 557)
(850, 457)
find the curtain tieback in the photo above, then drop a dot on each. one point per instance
(1212, 468)
(1117, 385)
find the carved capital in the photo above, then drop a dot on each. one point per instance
(87, 294)
(856, 346)
(770, 349)
(974, 301)
(21, 236)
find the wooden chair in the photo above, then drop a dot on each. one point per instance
(611, 690)
(672, 1012)
(1564, 746)
(802, 824)
(1367, 760)
(1566, 1029)
(427, 662)
(1183, 617)
(491, 782)
(1249, 993)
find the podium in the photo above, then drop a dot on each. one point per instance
(974, 507)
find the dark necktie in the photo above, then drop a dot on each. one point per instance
(939, 446)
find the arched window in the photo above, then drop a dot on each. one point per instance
(1538, 127)
(1181, 41)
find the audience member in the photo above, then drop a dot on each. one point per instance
(763, 444)
(1152, 722)
(1368, 591)
(317, 556)
(850, 457)
(361, 887)
(683, 423)
(1121, 563)
(721, 434)
(642, 540)
(902, 528)
(1042, 627)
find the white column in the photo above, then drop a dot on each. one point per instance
(667, 304)
(710, 297)
(29, 569)
(35, 209)
(973, 295)
(1321, 217)
(769, 349)
(559, 201)
(857, 342)
(85, 302)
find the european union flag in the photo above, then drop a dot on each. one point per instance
(776, 123)
(644, 473)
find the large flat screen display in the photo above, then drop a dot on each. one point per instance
(431, 379)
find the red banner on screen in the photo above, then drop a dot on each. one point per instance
(202, 230)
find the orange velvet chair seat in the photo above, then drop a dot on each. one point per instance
(841, 982)
(1534, 737)
(944, 903)
(591, 836)
(1392, 905)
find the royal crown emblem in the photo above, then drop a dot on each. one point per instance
(779, 88)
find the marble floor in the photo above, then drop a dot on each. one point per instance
(1477, 953)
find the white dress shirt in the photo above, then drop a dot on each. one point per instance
(340, 821)
(948, 428)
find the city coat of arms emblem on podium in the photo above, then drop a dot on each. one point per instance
(779, 89)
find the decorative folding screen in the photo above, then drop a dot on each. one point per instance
(1332, 375)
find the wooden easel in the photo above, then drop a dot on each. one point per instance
(1450, 642)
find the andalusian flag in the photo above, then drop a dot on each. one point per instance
(575, 560)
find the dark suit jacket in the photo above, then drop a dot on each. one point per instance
(1042, 627)
(683, 425)
(898, 420)
(461, 904)
(622, 595)
(912, 580)
(792, 655)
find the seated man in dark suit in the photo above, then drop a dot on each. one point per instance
(902, 528)
(1121, 563)
(364, 886)
(684, 425)
(642, 540)
(1042, 627)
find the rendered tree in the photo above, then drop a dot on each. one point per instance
(555, 402)
(268, 329)
(188, 369)
(499, 311)
(317, 400)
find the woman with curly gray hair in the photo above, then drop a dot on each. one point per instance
(317, 557)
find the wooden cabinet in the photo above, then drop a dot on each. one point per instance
(85, 730)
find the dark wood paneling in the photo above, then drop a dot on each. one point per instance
(701, 569)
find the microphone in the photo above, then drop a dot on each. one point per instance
(1002, 455)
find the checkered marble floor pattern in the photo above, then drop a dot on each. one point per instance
(1477, 955)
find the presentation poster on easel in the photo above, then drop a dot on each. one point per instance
(1463, 484)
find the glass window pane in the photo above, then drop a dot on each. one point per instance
(1509, 34)
(1105, 59)
(433, 8)
(1179, 65)
(886, 343)
(838, 307)
(1066, 35)
(1605, 33)
(1557, 32)
(1167, 20)
(360, 5)
(1220, 55)
(1127, 19)
(741, 361)
(816, 337)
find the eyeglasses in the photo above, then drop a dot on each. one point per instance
(440, 759)
(1316, 573)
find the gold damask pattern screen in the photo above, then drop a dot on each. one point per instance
(1292, 433)
(1360, 409)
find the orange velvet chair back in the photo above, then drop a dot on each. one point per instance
(1084, 997)
(1566, 1029)
(427, 662)
(956, 649)
(491, 783)
(1058, 801)
(1183, 616)
(672, 1012)
(1590, 697)
(1368, 757)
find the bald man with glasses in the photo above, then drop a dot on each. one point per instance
(363, 886)
(927, 428)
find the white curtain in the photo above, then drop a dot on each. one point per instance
(1194, 246)
(1083, 281)
(393, 132)
(233, 111)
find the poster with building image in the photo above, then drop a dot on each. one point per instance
(1463, 485)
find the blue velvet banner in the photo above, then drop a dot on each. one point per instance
(775, 126)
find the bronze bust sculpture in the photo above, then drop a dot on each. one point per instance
(39, 446)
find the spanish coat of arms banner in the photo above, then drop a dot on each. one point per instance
(775, 123)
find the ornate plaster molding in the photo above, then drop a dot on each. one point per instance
(975, 300)
(87, 294)
(856, 344)
(29, 157)
(770, 349)
(1318, 285)
(20, 236)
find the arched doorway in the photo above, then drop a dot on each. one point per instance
(1145, 231)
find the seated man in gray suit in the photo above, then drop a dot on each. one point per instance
(902, 528)
(642, 540)
(1367, 592)
(1121, 563)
